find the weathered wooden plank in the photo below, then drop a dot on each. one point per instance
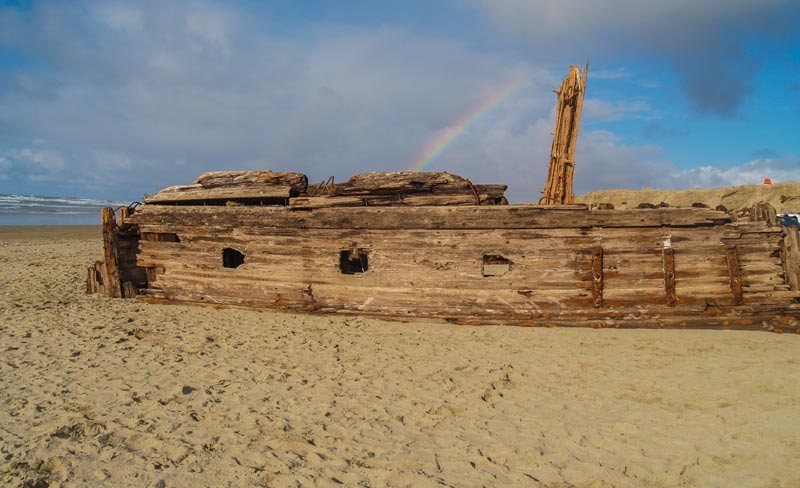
(735, 275)
(637, 314)
(597, 276)
(199, 193)
(621, 240)
(386, 265)
(128, 289)
(297, 181)
(94, 278)
(332, 276)
(669, 275)
(492, 190)
(411, 258)
(790, 252)
(401, 182)
(111, 281)
(386, 200)
(261, 219)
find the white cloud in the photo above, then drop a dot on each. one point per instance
(5, 168)
(753, 172)
(213, 26)
(594, 108)
(200, 88)
(703, 40)
(38, 162)
(604, 162)
(118, 15)
(612, 74)
(137, 99)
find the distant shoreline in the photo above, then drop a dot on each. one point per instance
(48, 232)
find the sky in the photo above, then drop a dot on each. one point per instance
(117, 99)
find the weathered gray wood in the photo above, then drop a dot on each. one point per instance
(597, 276)
(477, 217)
(111, 281)
(234, 186)
(791, 257)
(668, 256)
(297, 181)
(402, 182)
(427, 239)
(401, 188)
(198, 193)
(493, 190)
(735, 275)
(386, 200)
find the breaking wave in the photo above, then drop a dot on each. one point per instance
(39, 210)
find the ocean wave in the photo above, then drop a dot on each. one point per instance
(33, 204)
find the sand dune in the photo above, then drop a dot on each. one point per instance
(785, 197)
(103, 392)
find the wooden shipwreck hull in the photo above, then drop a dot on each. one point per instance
(402, 247)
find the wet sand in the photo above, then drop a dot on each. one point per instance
(102, 392)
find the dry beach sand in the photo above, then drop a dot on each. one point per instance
(103, 392)
(785, 197)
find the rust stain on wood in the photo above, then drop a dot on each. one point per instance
(735, 275)
(668, 255)
(597, 276)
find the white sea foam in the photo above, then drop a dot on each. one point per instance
(41, 210)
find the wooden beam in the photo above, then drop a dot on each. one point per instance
(158, 218)
(297, 181)
(790, 257)
(668, 257)
(111, 279)
(558, 189)
(385, 200)
(597, 276)
(199, 193)
(735, 275)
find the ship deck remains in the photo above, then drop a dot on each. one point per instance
(435, 246)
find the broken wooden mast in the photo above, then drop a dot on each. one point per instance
(558, 189)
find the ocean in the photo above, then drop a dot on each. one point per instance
(36, 210)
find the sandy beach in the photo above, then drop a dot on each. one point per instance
(108, 392)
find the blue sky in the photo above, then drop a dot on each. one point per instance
(113, 99)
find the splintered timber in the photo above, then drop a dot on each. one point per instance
(408, 245)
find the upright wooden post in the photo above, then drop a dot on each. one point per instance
(668, 258)
(111, 279)
(558, 189)
(597, 276)
(735, 275)
(790, 254)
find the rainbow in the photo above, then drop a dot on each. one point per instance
(446, 137)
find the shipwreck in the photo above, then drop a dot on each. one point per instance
(435, 246)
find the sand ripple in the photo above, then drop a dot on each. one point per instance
(101, 392)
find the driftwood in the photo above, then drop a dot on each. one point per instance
(403, 183)
(223, 186)
(297, 181)
(369, 189)
(401, 188)
(558, 189)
